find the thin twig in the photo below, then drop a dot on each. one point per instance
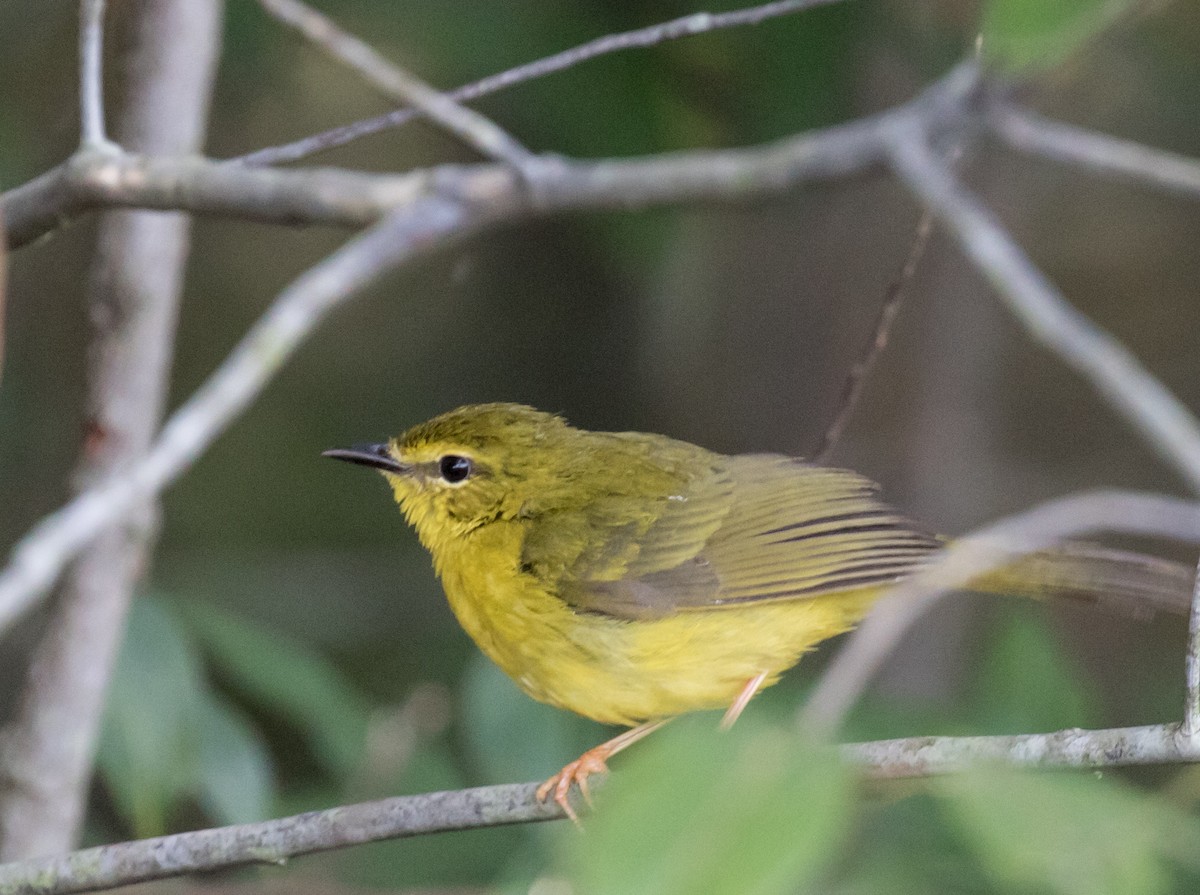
(857, 378)
(275, 841)
(133, 295)
(40, 556)
(1096, 152)
(91, 75)
(971, 556)
(1112, 369)
(1191, 705)
(685, 26)
(470, 126)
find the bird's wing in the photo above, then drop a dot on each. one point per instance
(762, 527)
(605, 556)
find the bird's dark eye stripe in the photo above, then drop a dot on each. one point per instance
(454, 468)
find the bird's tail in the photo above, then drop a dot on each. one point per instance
(1121, 579)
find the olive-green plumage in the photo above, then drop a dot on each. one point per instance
(628, 576)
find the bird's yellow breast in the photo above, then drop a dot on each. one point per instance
(618, 671)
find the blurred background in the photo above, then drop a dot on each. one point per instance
(299, 647)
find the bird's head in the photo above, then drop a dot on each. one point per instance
(471, 466)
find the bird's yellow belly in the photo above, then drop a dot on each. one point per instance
(625, 672)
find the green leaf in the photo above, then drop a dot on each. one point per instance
(752, 812)
(234, 783)
(1071, 834)
(147, 751)
(289, 680)
(1033, 34)
(1025, 681)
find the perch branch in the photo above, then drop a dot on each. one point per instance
(471, 127)
(275, 841)
(696, 23)
(1074, 748)
(1110, 367)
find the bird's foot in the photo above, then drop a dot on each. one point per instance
(575, 772)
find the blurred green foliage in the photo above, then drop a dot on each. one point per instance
(284, 656)
(170, 739)
(1025, 35)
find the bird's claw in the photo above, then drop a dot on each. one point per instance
(576, 772)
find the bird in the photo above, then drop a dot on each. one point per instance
(631, 577)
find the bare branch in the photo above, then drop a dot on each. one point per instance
(134, 294)
(39, 558)
(857, 379)
(1155, 413)
(91, 181)
(968, 558)
(1096, 152)
(696, 23)
(473, 128)
(274, 841)
(1191, 705)
(91, 76)
(1118, 747)
(350, 199)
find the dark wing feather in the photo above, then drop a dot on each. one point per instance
(784, 530)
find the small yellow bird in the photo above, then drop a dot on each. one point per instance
(631, 577)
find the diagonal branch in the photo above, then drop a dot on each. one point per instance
(1110, 367)
(470, 126)
(39, 558)
(970, 557)
(1096, 152)
(685, 26)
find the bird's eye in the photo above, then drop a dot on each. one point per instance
(454, 468)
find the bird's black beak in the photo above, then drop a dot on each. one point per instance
(374, 455)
